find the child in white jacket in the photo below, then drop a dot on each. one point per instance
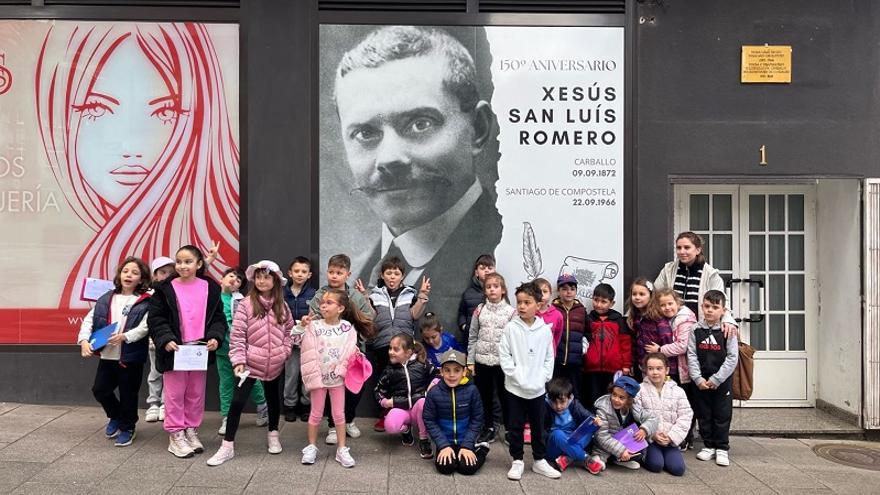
(666, 401)
(526, 356)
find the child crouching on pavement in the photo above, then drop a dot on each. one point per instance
(616, 411)
(563, 414)
(453, 416)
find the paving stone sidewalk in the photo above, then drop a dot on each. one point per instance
(58, 450)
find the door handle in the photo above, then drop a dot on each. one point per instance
(750, 282)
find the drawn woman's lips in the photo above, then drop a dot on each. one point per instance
(129, 175)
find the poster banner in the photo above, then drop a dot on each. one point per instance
(116, 139)
(439, 144)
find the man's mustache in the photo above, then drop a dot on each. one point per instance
(389, 183)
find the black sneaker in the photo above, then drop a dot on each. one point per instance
(304, 417)
(486, 436)
(289, 414)
(406, 437)
(425, 450)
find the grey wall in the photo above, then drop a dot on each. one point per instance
(696, 118)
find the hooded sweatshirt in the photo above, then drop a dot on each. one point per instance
(526, 357)
(553, 317)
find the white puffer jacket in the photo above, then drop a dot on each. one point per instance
(487, 326)
(670, 407)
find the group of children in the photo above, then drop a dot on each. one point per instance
(555, 368)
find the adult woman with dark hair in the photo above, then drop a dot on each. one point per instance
(691, 276)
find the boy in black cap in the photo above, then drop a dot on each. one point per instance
(453, 416)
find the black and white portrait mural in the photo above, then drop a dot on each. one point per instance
(439, 144)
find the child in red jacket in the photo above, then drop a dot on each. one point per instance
(610, 347)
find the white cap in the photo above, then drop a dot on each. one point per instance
(265, 265)
(159, 263)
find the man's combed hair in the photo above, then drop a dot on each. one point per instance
(392, 43)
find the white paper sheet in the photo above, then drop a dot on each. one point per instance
(191, 357)
(94, 288)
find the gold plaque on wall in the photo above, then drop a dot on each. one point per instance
(766, 64)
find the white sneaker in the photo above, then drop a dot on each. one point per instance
(162, 412)
(343, 456)
(628, 464)
(222, 430)
(178, 445)
(706, 454)
(352, 430)
(273, 442)
(192, 438)
(543, 468)
(152, 414)
(223, 454)
(722, 458)
(262, 415)
(310, 453)
(331, 437)
(516, 470)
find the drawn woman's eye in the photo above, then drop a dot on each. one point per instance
(169, 112)
(93, 109)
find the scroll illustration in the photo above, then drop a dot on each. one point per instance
(589, 273)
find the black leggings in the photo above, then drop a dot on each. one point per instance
(689, 390)
(272, 388)
(489, 381)
(456, 466)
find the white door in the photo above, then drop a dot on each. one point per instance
(762, 239)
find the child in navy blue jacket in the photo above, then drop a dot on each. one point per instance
(453, 416)
(122, 359)
(563, 413)
(297, 296)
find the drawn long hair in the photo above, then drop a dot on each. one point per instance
(191, 194)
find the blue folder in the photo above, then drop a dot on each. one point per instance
(100, 336)
(584, 431)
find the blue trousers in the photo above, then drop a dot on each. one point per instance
(659, 458)
(557, 445)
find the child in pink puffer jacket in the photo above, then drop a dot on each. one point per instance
(259, 344)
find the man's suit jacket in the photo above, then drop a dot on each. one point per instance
(451, 269)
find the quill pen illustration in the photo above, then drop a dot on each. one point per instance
(531, 254)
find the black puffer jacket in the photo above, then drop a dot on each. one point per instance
(472, 297)
(164, 321)
(405, 385)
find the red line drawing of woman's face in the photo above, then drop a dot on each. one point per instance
(125, 123)
(134, 123)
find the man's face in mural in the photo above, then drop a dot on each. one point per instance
(408, 143)
(125, 123)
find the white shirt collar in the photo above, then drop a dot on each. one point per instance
(420, 244)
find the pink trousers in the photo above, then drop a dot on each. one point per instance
(184, 399)
(398, 420)
(337, 404)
